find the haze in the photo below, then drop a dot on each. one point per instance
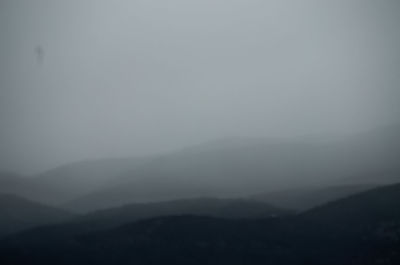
(94, 79)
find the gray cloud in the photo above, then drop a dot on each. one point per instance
(140, 77)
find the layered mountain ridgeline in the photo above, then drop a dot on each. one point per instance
(229, 168)
(362, 229)
(367, 208)
(386, 176)
(67, 182)
(17, 214)
(9, 180)
(106, 219)
(11, 183)
(78, 179)
(222, 208)
(237, 168)
(302, 199)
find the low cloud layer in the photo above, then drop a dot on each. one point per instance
(131, 78)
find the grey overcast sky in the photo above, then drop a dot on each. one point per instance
(84, 79)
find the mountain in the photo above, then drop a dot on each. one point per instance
(10, 182)
(65, 182)
(7, 177)
(302, 199)
(17, 214)
(241, 167)
(167, 240)
(364, 226)
(146, 191)
(223, 208)
(26, 187)
(361, 229)
(73, 180)
(386, 176)
(370, 208)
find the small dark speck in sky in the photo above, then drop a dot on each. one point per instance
(39, 54)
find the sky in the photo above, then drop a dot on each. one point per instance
(82, 79)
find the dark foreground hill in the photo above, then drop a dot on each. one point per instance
(363, 229)
(17, 214)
